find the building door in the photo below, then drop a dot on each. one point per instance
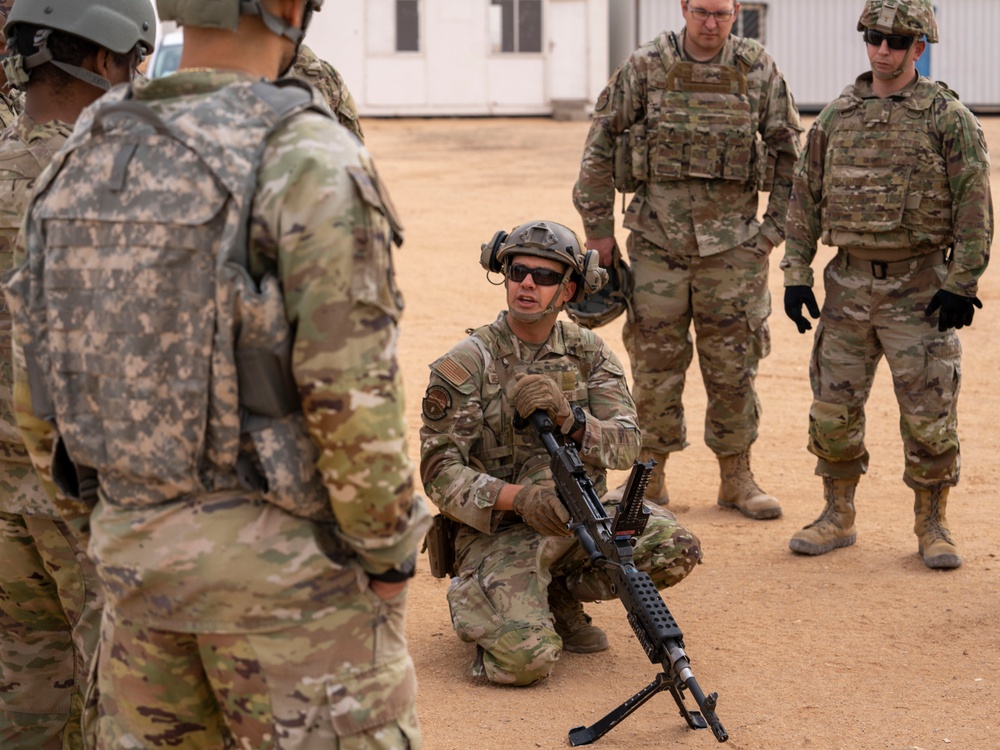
(568, 50)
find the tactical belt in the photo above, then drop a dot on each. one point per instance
(882, 269)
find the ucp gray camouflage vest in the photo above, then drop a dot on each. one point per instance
(162, 363)
(885, 184)
(699, 121)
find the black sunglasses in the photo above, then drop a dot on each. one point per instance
(895, 41)
(541, 276)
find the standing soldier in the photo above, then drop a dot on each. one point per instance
(63, 56)
(209, 315)
(330, 84)
(896, 176)
(696, 124)
(521, 577)
(9, 105)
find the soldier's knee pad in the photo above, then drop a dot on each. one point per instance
(522, 656)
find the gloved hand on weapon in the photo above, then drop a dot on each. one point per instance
(536, 392)
(542, 510)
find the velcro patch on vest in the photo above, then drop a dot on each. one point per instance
(436, 403)
(453, 372)
(706, 79)
(569, 381)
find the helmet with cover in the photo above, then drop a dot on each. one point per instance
(225, 14)
(909, 17)
(119, 26)
(547, 239)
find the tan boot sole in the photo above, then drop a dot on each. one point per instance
(758, 515)
(808, 548)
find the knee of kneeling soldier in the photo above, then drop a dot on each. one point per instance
(522, 656)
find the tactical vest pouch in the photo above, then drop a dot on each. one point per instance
(624, 180)
(765, 159)
(440, 546)
(704, 124)
(273, 420)
(263, 348)
(639, 150)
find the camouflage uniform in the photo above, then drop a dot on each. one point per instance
(470, 450)
(234, 617)
(50, 601)
(328, 82)
(694, 245)
(925, 188)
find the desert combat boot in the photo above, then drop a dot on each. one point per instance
(740, 490)
(573, 625)
(835, 525)
(936, 546)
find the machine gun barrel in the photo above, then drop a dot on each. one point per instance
(608, 545)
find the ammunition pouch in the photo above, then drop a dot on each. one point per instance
(631, 159)
(765, 159)
(440, 546)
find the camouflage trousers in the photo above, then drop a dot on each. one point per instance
(499, 601)
(727, 299)
(287, 689)
(864, 319)
(50, 611)
(232, 624)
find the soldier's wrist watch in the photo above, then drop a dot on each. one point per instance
(578, 423)
(402, 572)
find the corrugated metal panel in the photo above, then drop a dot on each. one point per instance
(817, 46)
(968, 57)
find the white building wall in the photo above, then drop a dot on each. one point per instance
(455, 72)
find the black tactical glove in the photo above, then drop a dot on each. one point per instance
(542, 510)
(795, 297)
(956, 310)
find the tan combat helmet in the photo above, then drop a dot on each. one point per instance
(547, 239)
(608, 302)
(909, 17)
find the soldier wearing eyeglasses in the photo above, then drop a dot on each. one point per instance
(895, 175)
(695, 124)
(520, 577)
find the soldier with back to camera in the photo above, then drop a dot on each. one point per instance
(895, 175)
(209, 316)
(696, 124)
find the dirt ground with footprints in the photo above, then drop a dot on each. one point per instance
(860, 648)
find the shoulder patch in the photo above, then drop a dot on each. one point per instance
(451, 371)
(436, 403)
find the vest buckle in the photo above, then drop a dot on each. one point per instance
(880, 269)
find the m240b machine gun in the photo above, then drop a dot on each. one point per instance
(608, 544)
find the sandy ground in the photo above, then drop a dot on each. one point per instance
(860, 648)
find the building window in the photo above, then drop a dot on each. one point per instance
(407, 26)
(751, 21)
(516, 25)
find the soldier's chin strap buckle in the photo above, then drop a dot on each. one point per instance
(880, 269)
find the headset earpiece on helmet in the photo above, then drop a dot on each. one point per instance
(488, 258)
(593, 277)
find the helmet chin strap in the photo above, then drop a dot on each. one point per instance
(550, 308)
(898, 71)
